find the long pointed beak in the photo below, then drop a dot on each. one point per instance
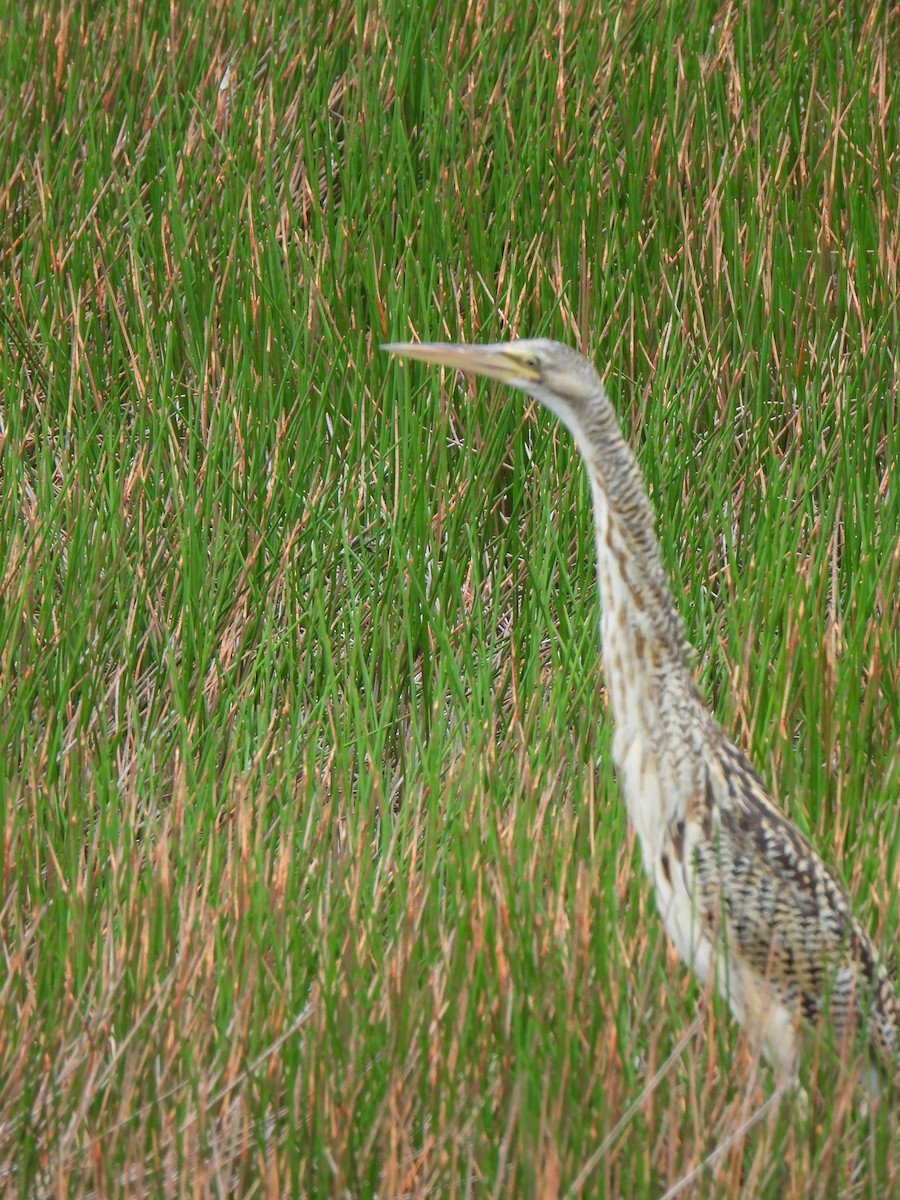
(502, 360)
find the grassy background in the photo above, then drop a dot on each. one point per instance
(315, 878)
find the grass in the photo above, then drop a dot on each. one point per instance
(315, 877)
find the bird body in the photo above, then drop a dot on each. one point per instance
(746, 900)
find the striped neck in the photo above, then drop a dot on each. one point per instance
(640, 627)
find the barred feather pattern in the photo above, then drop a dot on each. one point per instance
(744, 896)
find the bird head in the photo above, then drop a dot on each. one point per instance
(560, 378)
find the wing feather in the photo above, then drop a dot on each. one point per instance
(788, 915)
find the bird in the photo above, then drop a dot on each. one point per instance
(749, 904)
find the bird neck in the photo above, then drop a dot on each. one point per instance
(640, 628)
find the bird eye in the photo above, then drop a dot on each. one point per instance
(532, 360)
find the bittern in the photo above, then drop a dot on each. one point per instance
(743, 895)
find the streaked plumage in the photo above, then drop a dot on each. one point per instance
(742, 893)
